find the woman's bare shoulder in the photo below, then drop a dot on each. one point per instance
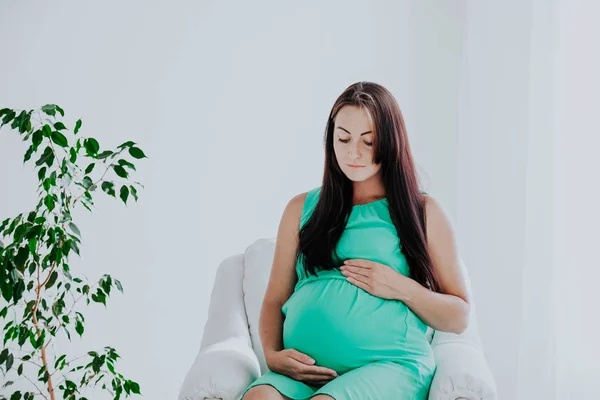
(295, 206)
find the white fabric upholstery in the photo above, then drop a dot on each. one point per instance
(461, 372)
(258, 260)
(231, 354)
(226, 362)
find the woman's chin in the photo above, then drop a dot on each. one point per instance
(358, 175)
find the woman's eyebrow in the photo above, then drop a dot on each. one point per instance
(364, 133)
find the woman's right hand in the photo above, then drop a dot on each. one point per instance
(299, 366)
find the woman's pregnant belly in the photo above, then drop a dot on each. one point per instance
(344, 327)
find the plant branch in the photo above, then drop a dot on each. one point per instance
(35, 321)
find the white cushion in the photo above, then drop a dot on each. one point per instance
(258, 260)
(226, 363)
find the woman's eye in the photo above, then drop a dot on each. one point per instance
(348, 140)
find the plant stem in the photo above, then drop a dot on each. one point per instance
(38, 290)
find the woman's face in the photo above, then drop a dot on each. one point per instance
(353, 143)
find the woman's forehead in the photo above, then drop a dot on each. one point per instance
(354, 120)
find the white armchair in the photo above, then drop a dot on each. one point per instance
(231, 354)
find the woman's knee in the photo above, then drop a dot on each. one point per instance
(264, 392)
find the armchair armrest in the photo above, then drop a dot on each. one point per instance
(226, 363)
(222, 371)
(462, 372)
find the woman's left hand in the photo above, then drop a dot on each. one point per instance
(375, 278)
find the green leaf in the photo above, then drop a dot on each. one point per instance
(90, 168)
(73, 154)
(52, 279)
(20, 232)
(91, 146)
(50, 160)
(52, 178)
(125, 163)
(4, 224)
(58, 361)
(60, 110)
(29, 132)
(74, 247)
(99, 297)
(133, 192)
(28, 154)
(126, 144)
(75, 229)
(135, 387)
(24, 123)
(49, 109)
(77, 126)
(59, 139)
(87, 182)
(34, 231)
(120, 171)
(59, 126)
(8, 117)
(3, 355)
(9, 362)
(21, 258)
(46, 155)
(7, 292)
(119, 286)
(32, 245)
(36, 139)
(108, 188)
(46, 131)
(104, 154)
(49, 202)
(124, 193)
(79, 327)
(136, 152)
(18, 121)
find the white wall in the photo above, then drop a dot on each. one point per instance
(527, 191)
(492, 170)
(576, 190)
(229, 101)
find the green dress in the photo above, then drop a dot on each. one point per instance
(377, 346)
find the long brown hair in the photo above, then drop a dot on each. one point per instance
(318, 238)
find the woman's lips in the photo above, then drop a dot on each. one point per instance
(355, 166)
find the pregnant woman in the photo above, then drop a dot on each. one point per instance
(362, 265)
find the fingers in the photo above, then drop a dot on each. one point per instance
(318, 371)
(313, 371)
(355, 270)
(359, 281)
(305, 368)
(308, 361)
(303, 358)
(317, 377)
(316, 380)
(361, 285)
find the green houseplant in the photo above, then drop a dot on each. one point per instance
(39, 291)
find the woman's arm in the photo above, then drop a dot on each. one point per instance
(282, 278)
(447, 311)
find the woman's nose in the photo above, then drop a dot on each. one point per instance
(353, 152)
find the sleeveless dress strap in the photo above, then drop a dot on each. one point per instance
(312, 197)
